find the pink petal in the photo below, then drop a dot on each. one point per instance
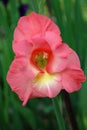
(18, 34)
(53, 39)
(63, 50)
(60, 59)
(19, 78)
(22, 48)
(77, 74)
(70, 85)
(73, 60)
(39, 42)
(72, 79)
(57, 65)
(30, 24)
(33, 24)
(47, 24)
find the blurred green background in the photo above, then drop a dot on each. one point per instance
(71, 17)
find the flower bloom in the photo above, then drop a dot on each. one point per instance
(43, 64)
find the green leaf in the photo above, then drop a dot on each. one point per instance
(27, 114)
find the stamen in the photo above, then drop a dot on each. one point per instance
(40, 58)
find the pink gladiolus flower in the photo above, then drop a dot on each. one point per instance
(43, 65)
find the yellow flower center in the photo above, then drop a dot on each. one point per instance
(44, 79)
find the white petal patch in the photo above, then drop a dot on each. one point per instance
(47, 84)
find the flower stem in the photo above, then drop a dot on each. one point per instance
(58, 114)
(70, 111)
